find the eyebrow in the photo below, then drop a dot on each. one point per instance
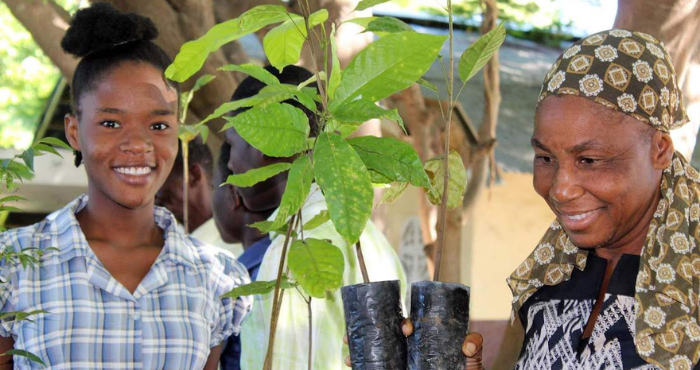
(579, 148)
(155, 112)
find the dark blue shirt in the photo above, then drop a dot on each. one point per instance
(251, 258)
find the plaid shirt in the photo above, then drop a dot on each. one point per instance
(170, 322)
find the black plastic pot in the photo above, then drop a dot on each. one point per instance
(373, 317)
(440, 316)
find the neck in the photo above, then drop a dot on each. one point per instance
(250, 234)
(103, 219)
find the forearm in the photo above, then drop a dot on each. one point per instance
(6, 362)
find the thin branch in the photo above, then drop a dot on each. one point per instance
(306, 12)
(185, 183)
(311, 326)
(361, 259)
(277, 297)
(446, 163)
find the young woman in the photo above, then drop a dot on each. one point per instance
(122, 287)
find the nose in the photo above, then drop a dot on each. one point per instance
(565, 185)
(137, 140)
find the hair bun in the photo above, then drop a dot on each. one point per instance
(101, 27)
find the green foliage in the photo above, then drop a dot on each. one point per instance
(480, 52)
(297, 190)
(366, 4)
(193, 53)
(395, 160)
(390, 64)
(456, 185)
(394, 192)
(387, 25)
(258, 287)
(359, 111)
(318, 220)
(277, 130)
(283, 43)
(254, 71)
(186, 97)
(346, 184)
(317, 266)
(334, 79)
(256, 175)
(27, 354)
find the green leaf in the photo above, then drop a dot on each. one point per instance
(187, 133)
(257, 175)
(20, 352)
(253, 70)
(28, 158)
(55, 142)
(457, 184)
(202, 81)
(204, 131)
(268, 95)
(297, 189)
(283, 43)
(394, 192)
(346, 184)
(392, 63)
(278, 130)
(366, 4)
(392, 158)
(359, 111)
(258, 287)
(428, 84)
(387, 25)
(334, 79)
(318, 220)
(194, 53)
(12, 198)
(40, 149)
(479, 53)
(317, 266)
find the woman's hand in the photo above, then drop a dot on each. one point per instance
(471, 347)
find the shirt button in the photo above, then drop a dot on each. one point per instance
(137, 316)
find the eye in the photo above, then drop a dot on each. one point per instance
(588, 161)
(543, 159)
(110, 124)
(160, 126)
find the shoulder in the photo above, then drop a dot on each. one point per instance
(216, 259)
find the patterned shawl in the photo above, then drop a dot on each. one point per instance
(667, 324)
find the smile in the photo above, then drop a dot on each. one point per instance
(134, 171)
(579, 216)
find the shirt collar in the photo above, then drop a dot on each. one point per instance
(71, 242)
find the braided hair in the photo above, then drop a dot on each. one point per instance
(104, 38)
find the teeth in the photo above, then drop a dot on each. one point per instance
(579, 217)
(134, 171)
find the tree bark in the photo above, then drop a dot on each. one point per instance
(677, 24)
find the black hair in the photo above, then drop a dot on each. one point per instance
(105, 38)
(222, 163)
(292, 75)
(198, 153)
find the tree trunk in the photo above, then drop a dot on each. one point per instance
(677, 24)
(47, 22)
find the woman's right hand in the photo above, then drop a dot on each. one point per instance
(471, 347)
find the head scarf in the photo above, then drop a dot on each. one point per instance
(631, 72)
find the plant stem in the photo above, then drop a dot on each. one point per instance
(306, 12)
(361, 258)
(311, 343)
(277, 297)
(185, 183)
(446, 163)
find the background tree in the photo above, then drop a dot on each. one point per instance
(677, 24)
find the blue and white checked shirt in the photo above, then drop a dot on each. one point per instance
(170, 322)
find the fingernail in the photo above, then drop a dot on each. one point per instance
(471, 349)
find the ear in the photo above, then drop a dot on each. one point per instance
(196, 174)
(70, 125)
(661, 150)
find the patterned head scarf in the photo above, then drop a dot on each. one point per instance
(626, 71)
(632, 72)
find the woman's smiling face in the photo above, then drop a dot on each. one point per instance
(127, 134)
(598, 170)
